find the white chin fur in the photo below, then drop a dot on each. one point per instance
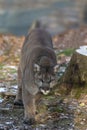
(45, 92)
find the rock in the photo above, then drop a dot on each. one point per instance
(76, 72)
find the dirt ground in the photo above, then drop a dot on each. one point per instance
(57, 111)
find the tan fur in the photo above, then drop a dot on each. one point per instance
(37, 49)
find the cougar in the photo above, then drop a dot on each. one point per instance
(37, 71)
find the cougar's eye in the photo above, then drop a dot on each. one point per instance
(53, 77)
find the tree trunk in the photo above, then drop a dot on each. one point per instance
(76, 72)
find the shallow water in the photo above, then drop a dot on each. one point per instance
(7, 91)
(1, 100)
(2, 90)
(16, 17)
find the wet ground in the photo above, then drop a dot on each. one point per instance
(59, 115)
(16, 16)
(56, 111)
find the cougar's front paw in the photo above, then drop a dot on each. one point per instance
(18, 102)
(30, 121)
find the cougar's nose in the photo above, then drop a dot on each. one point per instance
(45, 89)
(46, 79)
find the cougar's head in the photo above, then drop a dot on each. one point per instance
(45, 76)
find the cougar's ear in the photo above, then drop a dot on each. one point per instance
(36, 68)
(56, 67)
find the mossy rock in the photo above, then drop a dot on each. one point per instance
(75, 76)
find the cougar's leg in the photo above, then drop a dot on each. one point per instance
(18, 99)
(29, 107)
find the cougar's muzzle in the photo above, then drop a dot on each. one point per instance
(45, 88)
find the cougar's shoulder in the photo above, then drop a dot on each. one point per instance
(38, 37)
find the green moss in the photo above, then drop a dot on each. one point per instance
(59, 109)
(1, 66)
(12, 71)
(78, 91)
(67, 52)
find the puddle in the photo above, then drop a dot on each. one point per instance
(13, 89)
(8, 91)
(62, 69)
(9, 122)
(14, 86)
(2, 90)
(1, 100)
(10, 67)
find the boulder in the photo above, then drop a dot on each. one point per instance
(76, 72)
